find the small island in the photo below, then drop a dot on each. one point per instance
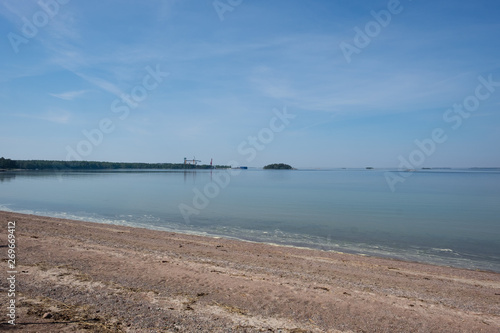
(278, 166)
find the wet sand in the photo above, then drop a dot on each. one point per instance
(87, 277)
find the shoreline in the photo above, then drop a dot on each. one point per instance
(353, 248)
(85, 276)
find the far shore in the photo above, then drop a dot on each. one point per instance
(83, 276)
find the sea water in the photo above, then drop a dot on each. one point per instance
(446, 217)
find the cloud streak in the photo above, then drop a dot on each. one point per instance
(70, 95)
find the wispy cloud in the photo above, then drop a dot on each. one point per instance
(54, 116)
(15, 10)
(102, 84)
(70, 95)
(58, 117)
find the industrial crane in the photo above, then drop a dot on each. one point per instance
(194, 161)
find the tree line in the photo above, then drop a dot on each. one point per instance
(6, 163)
(93, 165)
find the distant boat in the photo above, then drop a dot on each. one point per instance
(241, 167)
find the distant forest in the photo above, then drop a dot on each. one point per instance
(7, 164)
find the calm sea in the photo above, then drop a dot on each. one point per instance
(446, 217)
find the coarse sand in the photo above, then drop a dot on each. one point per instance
(75, 276)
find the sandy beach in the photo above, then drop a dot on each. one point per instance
(75, 276)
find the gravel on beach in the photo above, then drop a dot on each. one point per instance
(75, 276)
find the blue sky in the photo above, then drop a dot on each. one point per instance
(234, 65)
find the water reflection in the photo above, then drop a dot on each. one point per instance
(190, 174)
(7, 176)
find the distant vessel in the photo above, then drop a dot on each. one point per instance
(241, 167)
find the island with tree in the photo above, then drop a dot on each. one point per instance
(278, 166)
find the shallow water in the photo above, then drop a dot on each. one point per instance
(447, 217)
